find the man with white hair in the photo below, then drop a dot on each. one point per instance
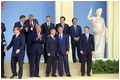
(31, 24)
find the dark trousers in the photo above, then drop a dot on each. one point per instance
(28, 50)
(45, 54)
(2, 66)
(74, 45)
(51, 61)
(14, 60)
(89, 62)
(34, 62)
(63, 58)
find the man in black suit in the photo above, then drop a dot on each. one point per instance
(46, 27)
(3, 43)
(86, 50)
(75, 33)
(31, 23)
(18, 43)
(63, 24)
(36, 50)
(51, 53)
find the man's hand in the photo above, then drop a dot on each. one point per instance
(26, 28)
(21, 28)
(40, 36)
(5, 50)
(48, 36)
(81, 52)
(92, 52)
(58, 54)
(5, 43)
(77, 38)
(17, 51)
(48, 54)
(67, 52)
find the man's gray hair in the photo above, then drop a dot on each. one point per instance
(31, 16)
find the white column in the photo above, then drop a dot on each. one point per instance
(65, 8)
(110, 28)
(57, 11)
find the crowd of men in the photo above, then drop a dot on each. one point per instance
(30, 36)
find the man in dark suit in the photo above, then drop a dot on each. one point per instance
(63, 24)
(86, 50)
(46, 27)
(36, 50)
(18, 43)
(3, 43)
(75, 33)
(51, 53)
(31, 23)
(22, 26)
(63, 50)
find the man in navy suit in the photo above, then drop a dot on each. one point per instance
(46, 27)
(3, 43)
(51, 53)
(36, 50)
(75, 33)
(63, 50)
(18, 43)
(31, 23)
(86, 50)
(63, 24)
(22, 26)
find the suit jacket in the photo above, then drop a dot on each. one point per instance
(17, 43)
(74, 34)
(45, 28)
(27, 23)
(87, 45)
(3, 27)
(51, 46)
(65, 30)
(36, 46)
(64, 46)
(2, 45)
(18, 24)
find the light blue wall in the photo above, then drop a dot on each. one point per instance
(13, 9)
(81, 10)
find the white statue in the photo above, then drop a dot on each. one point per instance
(100, 33)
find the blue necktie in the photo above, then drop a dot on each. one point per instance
(75, 28)
(60, 39)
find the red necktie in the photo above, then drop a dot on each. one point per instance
(31, 25)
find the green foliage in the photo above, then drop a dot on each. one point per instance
(108, 66)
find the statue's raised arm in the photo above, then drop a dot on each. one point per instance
(89, 15)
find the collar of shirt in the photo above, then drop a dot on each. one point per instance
(48, 23)
(52, 36)
(39, 33)
(62, 24)
(61, 35)
(31, 22)
(17, 35)
(87, 34)
(74, 25)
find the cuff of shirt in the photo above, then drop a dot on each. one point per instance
(74, 38)
(40, 39)
(18, 49)
(92, 51)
